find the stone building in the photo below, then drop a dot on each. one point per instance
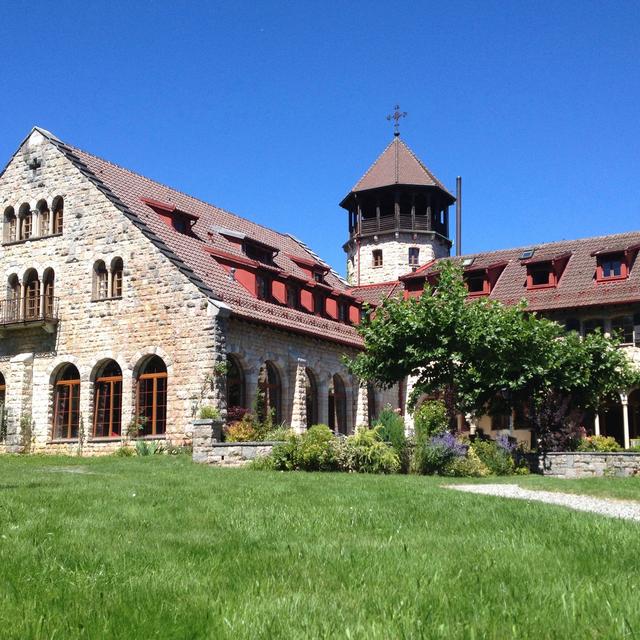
(129, 305)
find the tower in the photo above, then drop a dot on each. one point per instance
(398, 217)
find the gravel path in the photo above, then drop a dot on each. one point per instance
(604, 506)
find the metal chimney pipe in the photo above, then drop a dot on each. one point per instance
(458, 216)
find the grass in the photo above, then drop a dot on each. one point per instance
(160, 548)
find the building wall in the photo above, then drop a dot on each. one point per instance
(395, 255)
(160, 311)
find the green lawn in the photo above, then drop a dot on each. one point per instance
(161, 548)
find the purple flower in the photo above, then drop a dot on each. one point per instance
(450, 444)
(504, 443)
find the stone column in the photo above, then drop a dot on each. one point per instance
(323, 401)
(362, 404)
(408, 416)
(624, 399)
(299, 408)
(20, 402)
(596, 424)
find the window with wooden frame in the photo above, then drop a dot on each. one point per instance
(151, 397)
(107, 402)
(293, 296)
(31, 295)
(477, 283)
(500, 421)
(263, 287)
(414, 256)
(44, 218)
(593, 324)
(26, 222)
(66, 404)
(319, 303)
(13, 311)
(540, 275)
(49, 293)
(572, 324)
(58, 214)
(611, 266)
(10, 225)
(343, 311)
(100, 281)
(318, 276)
(377, 257)
(116, 278)
(623, 328)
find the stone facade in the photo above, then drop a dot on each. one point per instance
(589, 464)
(395, 255)
(160, 311)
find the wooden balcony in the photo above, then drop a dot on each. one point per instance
(19, 313)
(402, 223)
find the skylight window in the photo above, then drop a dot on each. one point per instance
(467, 262)
(527, 254)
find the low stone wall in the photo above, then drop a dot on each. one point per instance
(237, 454)
(582, 464)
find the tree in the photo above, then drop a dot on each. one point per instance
(476, 354)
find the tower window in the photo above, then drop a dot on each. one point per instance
(377, 257)
(414, 256)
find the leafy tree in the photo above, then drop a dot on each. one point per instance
(478, 354)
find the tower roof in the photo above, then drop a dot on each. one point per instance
(397, 164)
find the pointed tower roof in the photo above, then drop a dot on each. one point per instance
(397, 164)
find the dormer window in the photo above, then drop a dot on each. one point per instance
(257, 252)
(318, 276)
(477, 283)
(263, 287)
(173, 217)
(540, 275)
(293, 296)
(612, 267)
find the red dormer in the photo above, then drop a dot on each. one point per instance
(173, 217)
(481, 280)
(545, 272)
(614, 264)
(312, 268)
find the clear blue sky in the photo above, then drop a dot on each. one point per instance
(273, 110)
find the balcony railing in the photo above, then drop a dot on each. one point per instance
(29, 311)
(405, 223)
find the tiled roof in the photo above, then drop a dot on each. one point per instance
(376, 293)
(397, 164)
(194, 254)
(577, 286)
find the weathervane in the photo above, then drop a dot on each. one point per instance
(395, 116)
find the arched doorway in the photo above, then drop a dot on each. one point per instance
(270, 393)
(337, 405)
(611, 420)
(311, 397)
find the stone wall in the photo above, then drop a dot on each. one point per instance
(589, 464)
(160, 312)
(395, 255)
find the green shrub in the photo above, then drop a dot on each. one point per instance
(430, 419)
(209, 412)
(436, 454)
(285, 456)
(277, 434)
(390, 427)
(124, 452)
(148, 448)
(262, 463)
(468, 467)
(241, 431)
(365, 452)
(498, 460)
(317, 450)
(599, 443)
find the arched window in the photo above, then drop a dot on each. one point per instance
(58, 208)
(26, 222)
(66, 403)
(235, 383)
(151, 397)
(116, 278)
(44, 218)
(107, 401)
(31, 295)
(10, 225)
(311, 394)
(100, 281)
(12, 312)
(337, 406)
(48, 282)
(270, 393)
(372, 405)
